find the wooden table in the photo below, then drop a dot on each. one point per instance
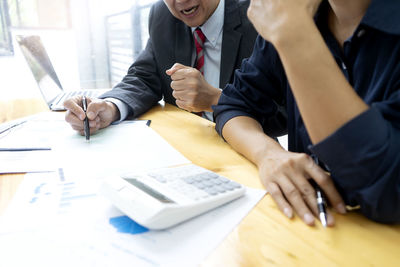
(265, 237)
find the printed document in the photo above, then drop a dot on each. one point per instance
(57, 221)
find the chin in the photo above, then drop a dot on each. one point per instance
(193, 23)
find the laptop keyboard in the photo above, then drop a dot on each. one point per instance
(70, 94)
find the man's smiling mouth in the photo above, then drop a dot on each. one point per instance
(190, 10)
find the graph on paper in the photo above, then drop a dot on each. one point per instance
(52, 195)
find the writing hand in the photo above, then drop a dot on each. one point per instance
(100, 113)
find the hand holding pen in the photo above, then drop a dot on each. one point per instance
(321, 202)
(289, 177)
(321, 199)
(99, 113)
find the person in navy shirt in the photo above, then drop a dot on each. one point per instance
(328, 74)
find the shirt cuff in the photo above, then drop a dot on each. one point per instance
(354, 143)
(122, 107)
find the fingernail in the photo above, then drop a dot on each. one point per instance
(331, 220)
(82, 117)
(90, 115)
(308, 218)
(341, 208)
(288, 212)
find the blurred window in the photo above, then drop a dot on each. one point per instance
(6, 48)
(39, 13)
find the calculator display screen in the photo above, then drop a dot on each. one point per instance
(150, 191)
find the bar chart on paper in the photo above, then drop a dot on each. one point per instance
(52, 197)
(57, 221)
(124, 224)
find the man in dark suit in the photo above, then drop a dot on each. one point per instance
(163, 70)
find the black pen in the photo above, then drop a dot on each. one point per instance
(321, 206)
(321, 202)
(11, 149)
(85, 121)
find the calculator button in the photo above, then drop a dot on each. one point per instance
(211, 191)
(193, 182)
(228, 186)
(205, 176)
(207, 183)
(234, 184)
(212, 174)
(220, 189)
(198, 178)
(223, 179)
(216, 181)
(199, 185)
(189, 180)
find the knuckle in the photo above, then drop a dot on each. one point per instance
(190, 103)
(68, 116)
(306, 190)
(67, 103)
(192, 84)
(273, 189)
(292, 193)
(303, 157)
(288, 163)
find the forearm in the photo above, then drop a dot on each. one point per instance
(325, 99)
(247, 137)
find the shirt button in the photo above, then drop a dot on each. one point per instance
(360, 33)
(343, 66)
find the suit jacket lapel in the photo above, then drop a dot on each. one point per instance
(230, 41)
(183, 44)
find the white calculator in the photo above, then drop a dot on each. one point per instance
(161, 198)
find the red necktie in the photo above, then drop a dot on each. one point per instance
(199, 39)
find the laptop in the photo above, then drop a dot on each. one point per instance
(50, 86)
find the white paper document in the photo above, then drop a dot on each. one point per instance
(56, 221)
(119, 148)
(27, 161)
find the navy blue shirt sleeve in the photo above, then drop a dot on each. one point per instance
(256, 92)
(364, 154)
(364, 160)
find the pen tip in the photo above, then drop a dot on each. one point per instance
(323, 220)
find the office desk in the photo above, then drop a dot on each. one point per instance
(265, 237)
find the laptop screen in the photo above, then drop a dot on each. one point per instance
(40, 65)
